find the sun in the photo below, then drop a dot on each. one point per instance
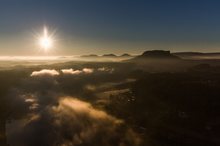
(46, 41)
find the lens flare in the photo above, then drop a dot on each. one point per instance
(46, 41)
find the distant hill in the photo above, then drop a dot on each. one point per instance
(156, 55)
(197, 55)
(91, 55)
(109, 55)
(188, 53)
(159, 61)
(125, 55)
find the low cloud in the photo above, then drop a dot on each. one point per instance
(104, 69)
(45, 72)
(77, 72)
(48, 72)
(88, 70)
(71, 71)
(53, 116)
(73, 122)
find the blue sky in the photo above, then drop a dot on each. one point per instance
(110, 26)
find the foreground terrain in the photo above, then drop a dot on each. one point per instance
(141, 101)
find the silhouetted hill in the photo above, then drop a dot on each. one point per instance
(125, 55)
(188, 53)
(91, 55)
(156, 55)
(197, 55)
(109, 55)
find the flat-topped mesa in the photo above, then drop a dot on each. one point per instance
(158, 54)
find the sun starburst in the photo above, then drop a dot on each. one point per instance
(46, 40)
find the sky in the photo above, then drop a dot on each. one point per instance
(109, 26)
